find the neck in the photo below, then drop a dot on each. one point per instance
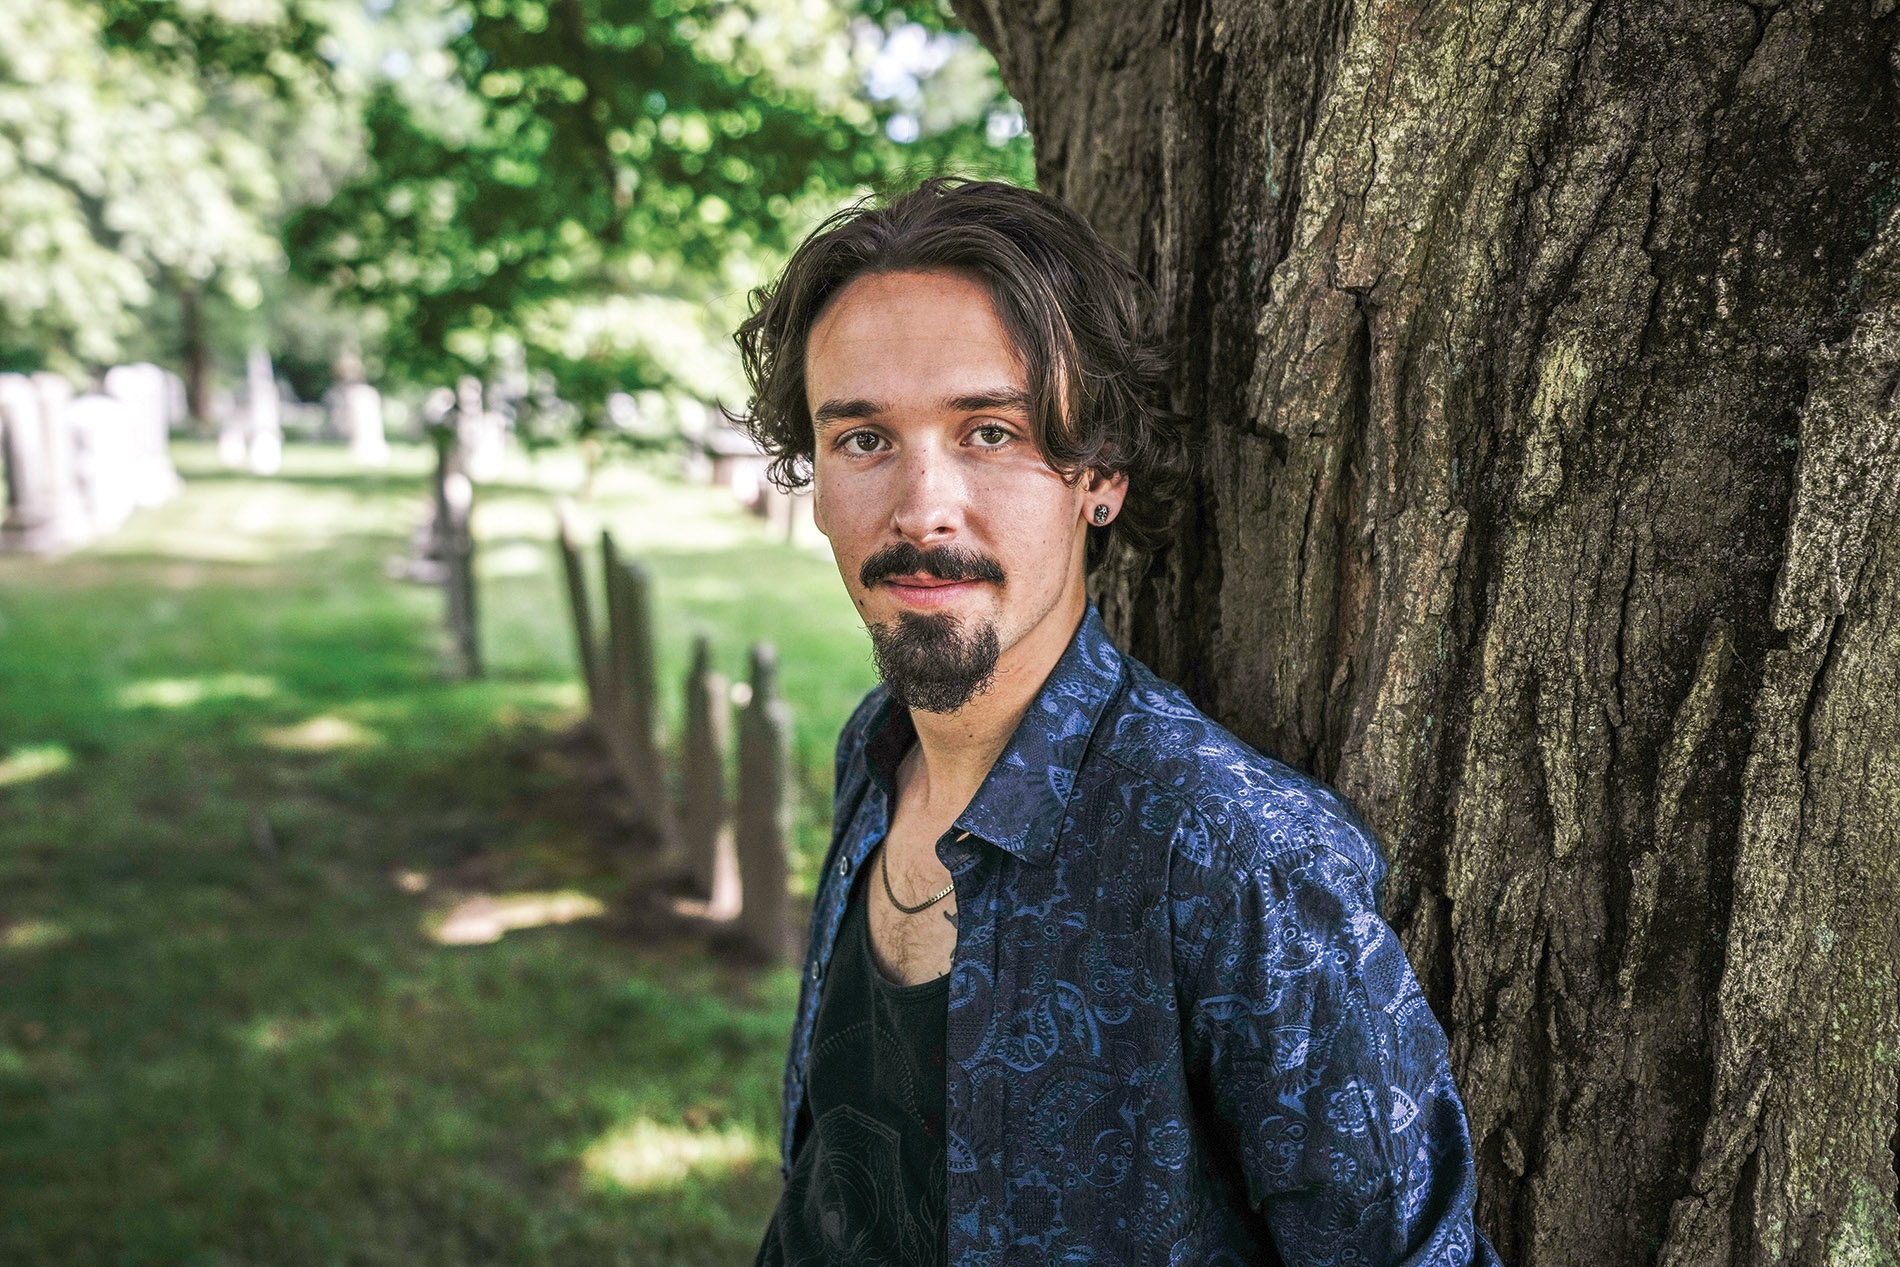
(955, 751)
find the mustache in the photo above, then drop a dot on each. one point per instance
(946, 563)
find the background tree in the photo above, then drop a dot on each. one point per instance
(148, 150)
(1546, 358)
(584, 181)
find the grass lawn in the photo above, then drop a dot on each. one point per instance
(237, 794)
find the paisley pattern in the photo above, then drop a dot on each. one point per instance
(1179, 1030)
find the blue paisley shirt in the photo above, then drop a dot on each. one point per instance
(1179, 1030)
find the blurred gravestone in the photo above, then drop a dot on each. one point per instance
(233, 447)
(455, 549)
(705, 836)
(573, 567)
(147, 393)
(29, 521)
(264, 412)
(104, 460)
(356, 410)
(425, 563)
(763, 827)
(481, 431)
(68, 520)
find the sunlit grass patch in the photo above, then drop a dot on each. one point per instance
(644, 1155)
(34, 934)
(280, 1033)
(184, 692)
(23, 765)
(515, 558)
(485, 918)
(323, 733)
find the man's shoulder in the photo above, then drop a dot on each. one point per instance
(1235, 807)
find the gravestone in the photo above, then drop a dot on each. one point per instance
(68, 524)
(455, 546)
(705, 835)
(361, 406)
(573, 567)
(762, 830)
(356, 411)
(148, 395)
(29, 493)
(482, 431)
(105, 460)
(627, 722)
(264, 413)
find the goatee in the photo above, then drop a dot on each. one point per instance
(932, 663)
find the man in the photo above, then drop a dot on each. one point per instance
(1089, 980)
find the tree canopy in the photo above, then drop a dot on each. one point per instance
(147, 145)
(582, 188)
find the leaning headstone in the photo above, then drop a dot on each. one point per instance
(628, 719)
(586, 644)
(762, 829)
(455, 540)
(264, 412)
(629, 637)
(705, 838)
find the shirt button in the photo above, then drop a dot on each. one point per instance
(844, 866)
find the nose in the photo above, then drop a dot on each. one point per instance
(929, 507)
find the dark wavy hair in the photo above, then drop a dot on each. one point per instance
(1078, 313)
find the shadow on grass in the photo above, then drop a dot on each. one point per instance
(231, 1038)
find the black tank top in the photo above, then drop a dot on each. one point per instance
(868, 1183)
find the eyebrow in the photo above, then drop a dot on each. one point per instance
(840, 410)
(1001, 398)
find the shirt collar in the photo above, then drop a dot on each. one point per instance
(1024, 799)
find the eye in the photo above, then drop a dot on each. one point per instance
(991, 436)
(861, 442)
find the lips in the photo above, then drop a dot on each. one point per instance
(923, 581)
(927, 591)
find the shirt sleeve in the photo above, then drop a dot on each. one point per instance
(1329, 1075)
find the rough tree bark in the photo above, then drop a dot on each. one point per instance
(1546, 358)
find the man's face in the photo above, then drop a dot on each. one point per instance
(961, 547)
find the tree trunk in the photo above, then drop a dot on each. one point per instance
(1545, 360)
(197, 356)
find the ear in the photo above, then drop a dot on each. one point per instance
(1100, 489)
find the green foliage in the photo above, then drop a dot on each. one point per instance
(584, 173)
(591, 187)
(148, 146)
